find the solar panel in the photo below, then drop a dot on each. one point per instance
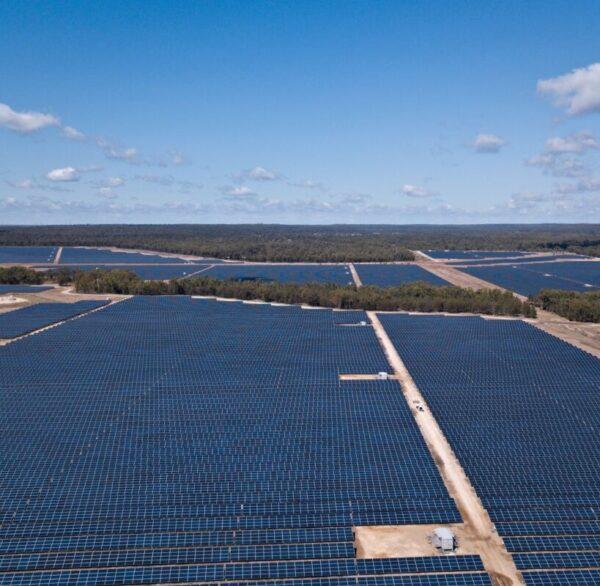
(81, 255)
(27, 254)
(519, 408)
(392, 275)
(182, 440)
(532, 278)
(23, 288)
(297, 273)
(33, 317)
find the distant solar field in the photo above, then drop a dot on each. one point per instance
(27, 254)
(148, 272)
(390, 275)
(520, 408)
(338, 274)
(531, 278)
(23, 288)
(472, 254)
(76, 255)
(168, 439)
(33, 317)
(522, 260)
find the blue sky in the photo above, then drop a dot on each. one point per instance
(299, 112)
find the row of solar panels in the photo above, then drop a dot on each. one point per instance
(34, 317)
(520, 409)
(529, 279)
(156, 419)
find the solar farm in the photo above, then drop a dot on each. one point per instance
(392, 275)
(530, 278)
(192, 440)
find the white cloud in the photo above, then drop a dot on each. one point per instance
(73, 134)
(114, 182)
(575, 143)
(25, 184)
(25, 122)
(238, 191)
(107, 193)
(257, 174)
(488, 143)
(577, 91)
(415, 191)
(262, 174)
(63, 174)
(177, 158)
(182, 185)
(129, 155)
(585, 185)
(554, 164)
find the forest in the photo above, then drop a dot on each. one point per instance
(575, 306)
(333, 243)
(413, 297)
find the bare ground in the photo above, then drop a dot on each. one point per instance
(355, 276)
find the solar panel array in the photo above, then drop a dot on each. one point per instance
(521, 410)
(80, 255)
(392, 275)
(523, 259)
(473, 254)
(33, 317)
(27, 254)
(148, 272)
(23, 288)
(338, 274)
(174, 440)
(531, 278)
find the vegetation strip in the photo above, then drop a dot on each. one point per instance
(413, 297)
(575, 306)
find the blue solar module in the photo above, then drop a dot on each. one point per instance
(183, 440)
(530, 279)
(23, 288)
(33, 317)
(27, 254)
(557, 560)
(520, 409)
(211, 574)
(338, 274)
(391, 275)
(148, 272)
(581, 272)
(472, 254)
(566, 578)
(522, 260)
(80, 255)
(553, 543)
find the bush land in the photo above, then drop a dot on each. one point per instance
(335, 243)
(414, 297)
(573, 305)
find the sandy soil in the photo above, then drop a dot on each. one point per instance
(480, 534)
(355, 276)
(456, 277)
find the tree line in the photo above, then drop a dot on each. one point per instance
(575, 306)
(412, 297)
(334, 243)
